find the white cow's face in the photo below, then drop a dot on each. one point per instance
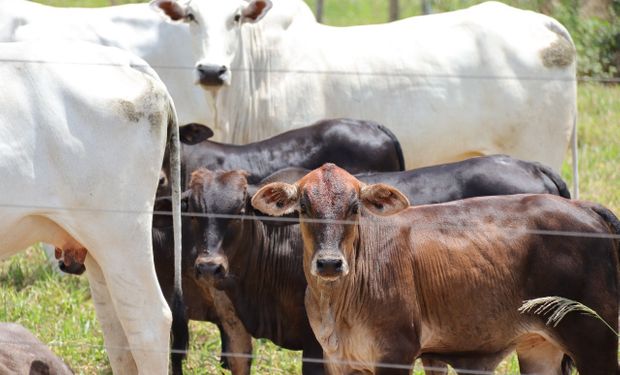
(215, 27)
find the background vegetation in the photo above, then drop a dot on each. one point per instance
(58, 308)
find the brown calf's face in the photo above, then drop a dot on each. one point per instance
(218, 195)
(329, 201)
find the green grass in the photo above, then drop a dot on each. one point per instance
(58, 309)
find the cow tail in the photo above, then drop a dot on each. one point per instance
(396, 144)
(612, 221)
(180, 331)
(556, 179)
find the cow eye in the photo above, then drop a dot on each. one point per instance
(355, 209)
(237, 17)
(302, 208)
(190, 17)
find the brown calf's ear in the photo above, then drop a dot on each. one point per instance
(162, 218)
(383, 199)
(255, 10)
(276, 199)
(171, 8)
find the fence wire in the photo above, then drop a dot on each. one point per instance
(413, 367)
(368, 221)
(400, 73)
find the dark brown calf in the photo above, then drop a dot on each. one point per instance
(387, 283)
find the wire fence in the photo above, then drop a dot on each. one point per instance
(400, 73)
(291, 220)
(254, 357)
(296, 220)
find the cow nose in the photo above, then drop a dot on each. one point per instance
(329, 266)
(210, 269)
(73, 269)
(212, 75)
(163, 181)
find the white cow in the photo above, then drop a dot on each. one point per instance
(82, 137)
(484, 80)
(165, 46)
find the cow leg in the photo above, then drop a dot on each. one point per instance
(225, 347)
(236, 341)
(129, 271)
(538, 356)
(402, 356)
(433, 367)
(312, 359)
(116, 342)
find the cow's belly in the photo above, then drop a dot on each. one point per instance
(19, 231)
(469, 337)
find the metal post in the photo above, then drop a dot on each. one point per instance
(394, 11)
(319, 10)
(426, 7)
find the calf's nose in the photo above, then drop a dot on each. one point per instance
(329, 265)
(210, 269)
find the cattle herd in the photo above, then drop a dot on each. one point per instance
(300, 223)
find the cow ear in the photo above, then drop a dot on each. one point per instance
(193, 133)
(255, 10)
(171, 8)
(276, 199)
(162, 218)
(383, 199)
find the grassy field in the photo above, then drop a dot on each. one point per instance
(59, 310)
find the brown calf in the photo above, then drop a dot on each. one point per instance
(387, 283)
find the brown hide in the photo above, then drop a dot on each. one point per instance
(447, 280)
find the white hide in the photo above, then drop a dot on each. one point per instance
(82, 137)
(450, 86)
(132, 27)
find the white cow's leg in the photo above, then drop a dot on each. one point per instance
(139, 302)
(116, 342)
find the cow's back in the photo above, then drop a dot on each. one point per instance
(132, 27)
(485, 80)
(59, 101)
(513, 247)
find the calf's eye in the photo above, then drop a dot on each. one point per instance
(237, 17)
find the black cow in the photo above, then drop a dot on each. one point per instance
(359, 146)
(475, 177)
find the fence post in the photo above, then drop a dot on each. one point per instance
(426, 7)
(394, 11)
(319, 10)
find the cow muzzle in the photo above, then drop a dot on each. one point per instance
(329, 267)
(212, 268)
(213, 75)
(71, 260)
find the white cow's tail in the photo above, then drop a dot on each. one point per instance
(180, 331)
(575, 158)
